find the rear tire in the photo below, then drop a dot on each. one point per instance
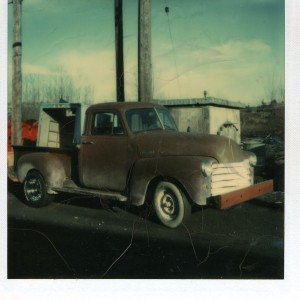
(35, 190)
(171, 205)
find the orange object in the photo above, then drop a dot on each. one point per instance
(245, 194)
(29, 133)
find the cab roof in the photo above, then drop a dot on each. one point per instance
(123, 106)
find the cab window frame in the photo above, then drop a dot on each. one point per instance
(111, 132)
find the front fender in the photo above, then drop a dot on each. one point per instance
(185, 170)
(54, 167)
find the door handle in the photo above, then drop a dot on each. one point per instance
(87, 142)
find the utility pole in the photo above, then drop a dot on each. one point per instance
(144, 52)
(17, 75)
(119, 50)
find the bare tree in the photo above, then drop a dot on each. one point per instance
(275, 90)
(39, 88)
(51, 88)
(281, 92)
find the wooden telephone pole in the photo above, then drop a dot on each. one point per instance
(119, 50)
(144, 52)
(17, 75)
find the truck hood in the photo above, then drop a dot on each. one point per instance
(173, 143)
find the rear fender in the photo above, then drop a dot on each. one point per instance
(55, 168)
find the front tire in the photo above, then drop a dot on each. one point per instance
(35, 190)
(171, 205)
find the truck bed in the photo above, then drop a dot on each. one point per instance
(19, 151)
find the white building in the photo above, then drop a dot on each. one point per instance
(207, 115)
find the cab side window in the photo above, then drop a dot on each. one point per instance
(106, 123)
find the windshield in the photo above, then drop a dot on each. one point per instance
(148, 119)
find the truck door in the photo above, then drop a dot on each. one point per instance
(103, 161)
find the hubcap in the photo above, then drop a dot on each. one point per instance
(33, 189)
(168, 204)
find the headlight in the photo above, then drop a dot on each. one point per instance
(206, 167)
(252, 160)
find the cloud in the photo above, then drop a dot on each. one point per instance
(240, 50)
(96, 69)
(232, 51)
(231, 70)
(245, 85)
(36, 69)
(236, 70)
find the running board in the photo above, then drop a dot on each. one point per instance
(74, 189)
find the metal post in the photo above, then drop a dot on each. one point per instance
(119, 50)
(17, 75)
(144, 52)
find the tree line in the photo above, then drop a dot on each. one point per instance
(39, 88)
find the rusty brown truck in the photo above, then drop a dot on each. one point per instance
(133, 152)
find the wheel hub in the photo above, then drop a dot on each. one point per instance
(33, 189)
(167, 204)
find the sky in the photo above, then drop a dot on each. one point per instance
(233, 49)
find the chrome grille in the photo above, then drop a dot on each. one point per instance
(230, 177)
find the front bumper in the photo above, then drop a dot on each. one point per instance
(233, 198)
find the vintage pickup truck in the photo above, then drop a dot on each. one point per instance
(133, 152)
